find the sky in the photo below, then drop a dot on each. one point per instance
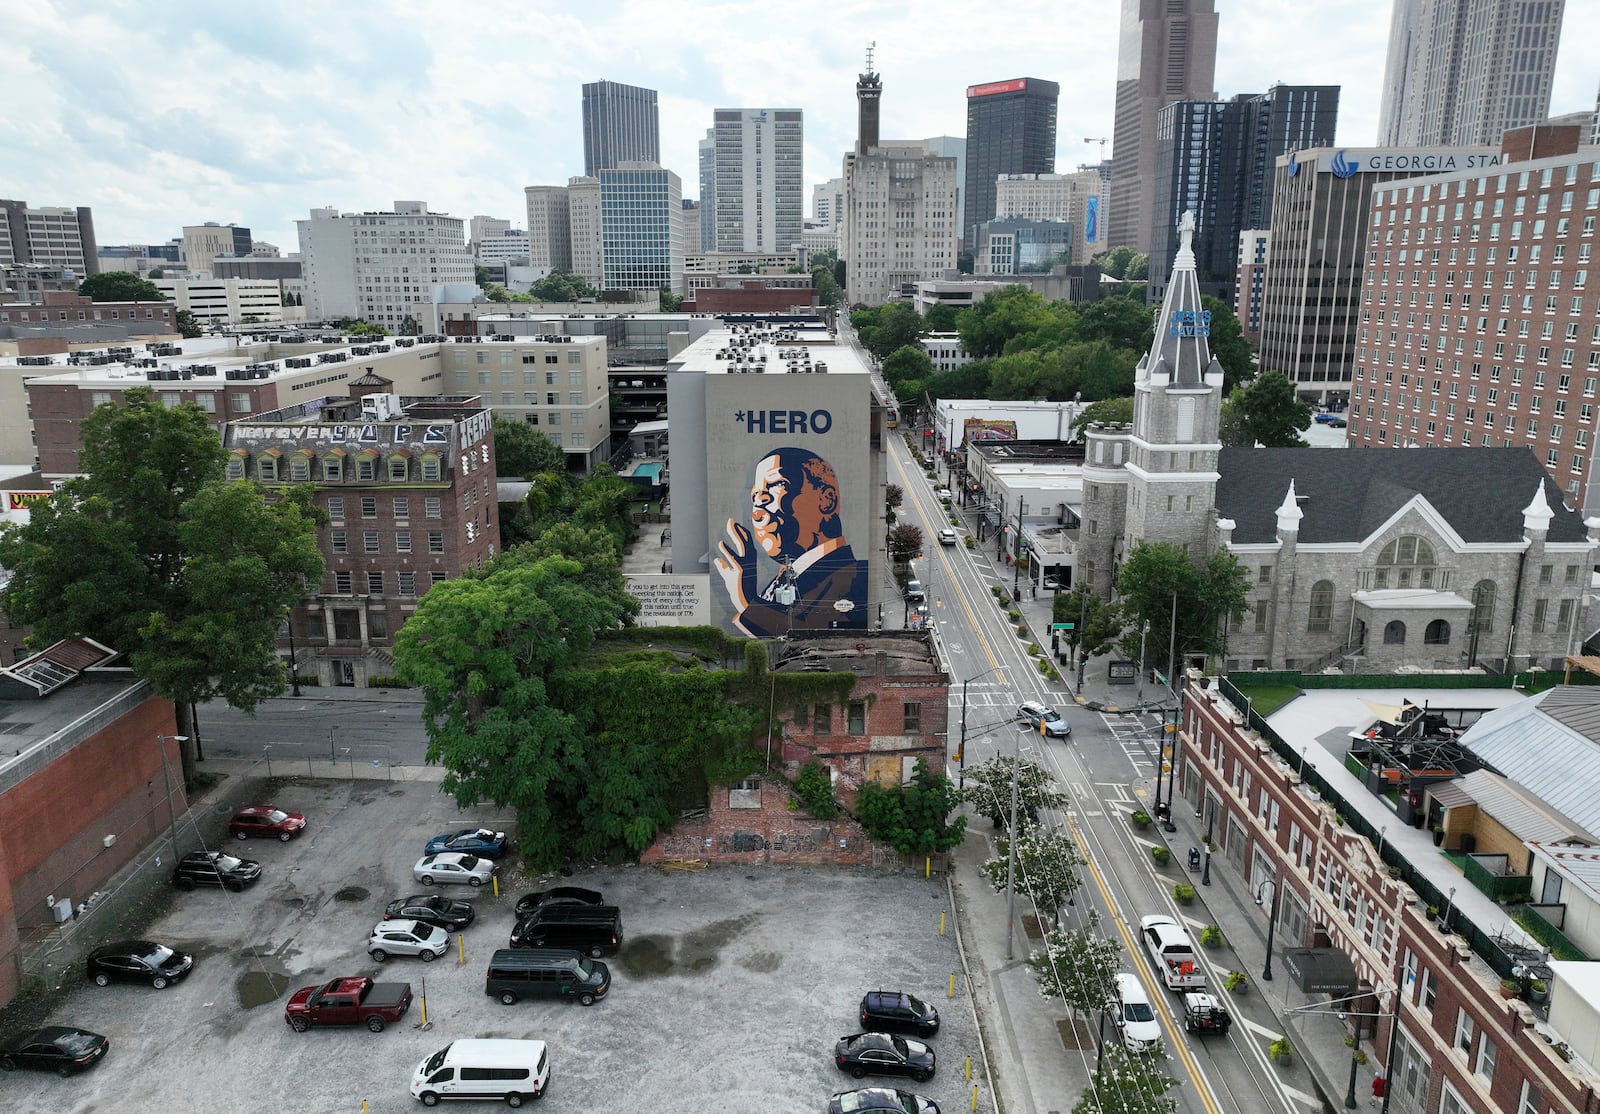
(179, 112)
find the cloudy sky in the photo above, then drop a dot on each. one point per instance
(182, 111)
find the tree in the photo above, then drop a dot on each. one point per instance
(561, 286)
(670, 302)
(408, 326)
(1096, 624)
(1110, 411)
(522, 450)
(153, 553)
(914, 818)
(1265, 411)
(1119, 321)
(119, 286)
(828, 292)
(366, 329)
(998, 316)
(1128, 1083)
(893, 496)
(907, 362)
(480, 274)
(1227, 343)
(187, 326)
(1206, 596)
(1047, 869)
(155, 273)
(989, 791)
(941, 318)
(889, 328)
(1124, 263)
(904, 541)
(1080, 968)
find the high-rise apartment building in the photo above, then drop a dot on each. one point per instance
(1076, 198)
(202, 243)
(583, 216)
(900, 220)
(549, 227)
(56, 237)
(641, 227)
(1011, 129)
(1310, 301)
(620, 124)
(953, 147)
(1168, 53)
(509, 245)
(380, 266)
(1477, 319)
(1216, 159)
(1464, 72)
(827, 202)
(1253, 246)
(758, 185)
(484, 228)
(708, 191)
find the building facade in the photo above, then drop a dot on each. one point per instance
(231, 301)
(1478, 323)
(1079, 198)
(1012, 246)
(620, 124)
(1311, 298)
(380, 266)
(1461, 72)
(49, 237)
(202, 243)
(549, 227)
(827, 202)
(1168, 53)
(899, 223)
(641, 227)
(510, 245)
(1254, 244)
(708, 191)
(758, 188)
(408, 489)
(1011, 129)
(584, 230)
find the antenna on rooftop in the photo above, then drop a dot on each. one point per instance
(873, 45)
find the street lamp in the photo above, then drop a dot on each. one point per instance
(294, 658)
(166, 779)
(1272, 923)
(961, 755)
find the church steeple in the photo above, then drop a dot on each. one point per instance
(1180, 353)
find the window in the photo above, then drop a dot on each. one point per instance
(402, 507)
(377, 624)
(341, 584)
(1263, 574)
(1394, 633)
(1430, 991)
(911, 718)
(367, 468)
(299, 469)
(822, 719)
(856, 718)
(235, 467)
(408, 582)
(336, 507)
(435, 541)
(369, 541)
(430, 469)
(1406, 562)
(333, 469)
(369, 506)
(1541, 615)
(339, 543)
(1466, 1029)
(267, 469)
(1437, 633)
(375, 583)
(431, 506)
(1321, 614)
(402, 541)
(398, 468)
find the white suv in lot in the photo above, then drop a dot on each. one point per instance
(1033, 713)
(425, 941)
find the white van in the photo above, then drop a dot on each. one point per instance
(513, 1070)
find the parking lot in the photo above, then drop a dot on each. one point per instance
(730, 992)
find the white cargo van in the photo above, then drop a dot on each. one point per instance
(512, 1070)
(1172, 953)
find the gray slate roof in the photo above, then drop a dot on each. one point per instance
(1557, 763)
(1347, 494)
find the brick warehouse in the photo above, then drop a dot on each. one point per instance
(1457, 1045)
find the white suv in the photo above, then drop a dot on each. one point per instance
(1033, 713)
(425, 941)
(1141, 1032)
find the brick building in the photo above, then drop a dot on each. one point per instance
(408, 488)
(739, 294)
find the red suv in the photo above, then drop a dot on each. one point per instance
(264, 820)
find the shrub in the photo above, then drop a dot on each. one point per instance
(1211, 936)
(814, 786)
(1161, 855)
(1183, 893)
(971, 541)
(1033, 648)
(1044, 667)
(1014, 615)
(1236, 981)
(1280, 1050)
(1139, 818)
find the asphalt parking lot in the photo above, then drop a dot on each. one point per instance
(730, 992)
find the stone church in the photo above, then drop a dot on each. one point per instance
(1368, 560)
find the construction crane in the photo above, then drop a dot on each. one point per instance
(1102, 140)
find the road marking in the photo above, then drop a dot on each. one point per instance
(1260, 1030)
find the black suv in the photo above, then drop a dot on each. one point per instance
(892, 1011)
(215, 868)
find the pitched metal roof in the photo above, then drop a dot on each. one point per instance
(1554, 761)
(1517, 811)
(1348, 494)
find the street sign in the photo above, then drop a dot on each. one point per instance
(1156, 673)
(1063, 626)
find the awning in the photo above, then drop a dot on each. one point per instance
(1389, 713)
(1321, 970)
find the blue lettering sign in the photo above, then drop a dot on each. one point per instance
(785, 421)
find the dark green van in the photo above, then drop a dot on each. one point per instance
(517, 973)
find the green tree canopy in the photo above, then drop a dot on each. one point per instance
(906, 362)
(1206, 596)
(670, 302)
(1120, 322)
(904, 542)
(1124, 263)
(119, 286)
(1265, 411)
(480, 274)
(561, 286)
(365, 329)
(1046, 869)
(888, 328)
(914, 818)
(522, 450)
(1080, 968)
(989, 790)
(1096, 624)
(153, 553)
(1227, 343)
(187, 326)
(1111, 411)
(1128, 1083)
(941, 318)
(998, 317)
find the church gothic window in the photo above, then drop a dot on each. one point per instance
(1436, 634)
(1483, 605)
(1406, 562)
(1394, 633)
(1321, 613)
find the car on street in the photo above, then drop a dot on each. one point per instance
(58, 1048)
(1337, 423)
(947, 536)
(445, 912)
(881, 1098)
(1328, 417)
(1141, 1032)
(894, 1011)
(215, 868)
(915, 592)
(1033, 713)
(425, 941)
(449, 868)
(863, 1054)
(266, 822)
(942, 493)
(138, 961)
(529, 903)
(484, 842)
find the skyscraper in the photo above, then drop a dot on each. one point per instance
(1168, 53)
(641, 227)
(380, 266)
(49, 237)
(1011, 129)
(1465, 71)
(620, 124)
(708, 191)
(760, 196)
(549, 227)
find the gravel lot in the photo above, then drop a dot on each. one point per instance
(730, 992)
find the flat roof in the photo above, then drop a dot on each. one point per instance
(732, 350)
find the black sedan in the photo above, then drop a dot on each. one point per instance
(54, 1048)
(527, 904)
(450, 915)
(881, 1098)
(883, 1054)
(138, 961)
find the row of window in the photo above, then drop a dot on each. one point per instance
(371, 540)
(820, 718)
(373, 581)
(400, 505)
(305, 465)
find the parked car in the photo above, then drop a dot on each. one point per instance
(449, 868)
(863, 1054)
(215, 868)
(942, 493)
(517, 973)
(1172, 952)
(947, 536)
(1141, 1032)
(1033, 713)
(881, 1098)
(1328, 417)
(914, 591)
(446, 913)
(138, 961)
(425, 941)
(348, 1001)
(267, 822)
(528, 903)
(1337, 423)
(58, 1048)
(894, 1011)
(486, 843)
(595, 929)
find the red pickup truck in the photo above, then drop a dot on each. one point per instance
(357, 1001)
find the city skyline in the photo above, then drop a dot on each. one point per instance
(209, 104)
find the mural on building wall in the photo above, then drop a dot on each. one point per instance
(988, 429)
(792, 568)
